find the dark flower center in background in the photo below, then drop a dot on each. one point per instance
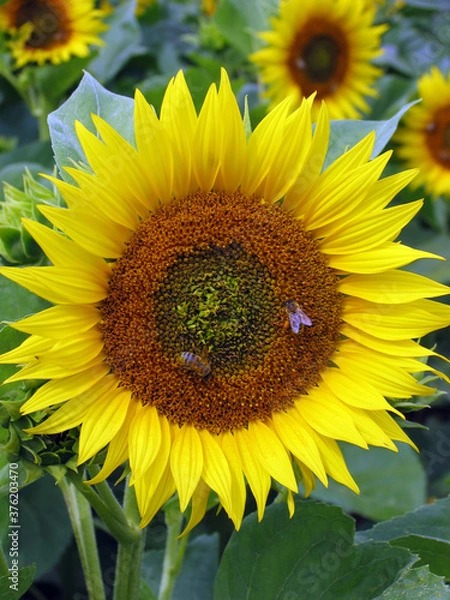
(49, 21)
(438, 137)
(318, 58)
(195, 322)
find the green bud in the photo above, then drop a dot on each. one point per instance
(16, 244)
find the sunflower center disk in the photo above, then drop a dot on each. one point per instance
(47, 19)
(319, 58)
(196, 321)
(438, 137)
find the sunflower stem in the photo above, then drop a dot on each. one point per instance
(129, 556)
(80, 515)
(107, 495)
(117, 525)
(174, 552)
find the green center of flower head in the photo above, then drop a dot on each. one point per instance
(320, 58)
(48, 20)
(221, 311)
(219, 304)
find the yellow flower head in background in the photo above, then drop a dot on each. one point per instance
(323, 46)
(424, 139)
(50, 30)
(225, 310)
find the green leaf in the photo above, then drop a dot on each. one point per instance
(307, 557)
(425, 532)
(54, 80)
(196, 578)
(122, 42)
(89, 98)
(18, 302)
(25, 578)
(391, 484)
(45, 530)
(417, 584)
(239, 22)
(345, 134)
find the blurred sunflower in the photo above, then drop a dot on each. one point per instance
(50, 30)
(225, 311)
(325, 47)
(424, 138)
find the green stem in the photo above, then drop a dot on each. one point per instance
(129, 556)
(107, 495)
(174, 552)
(3, 564)
(81, 518)
(118, 526)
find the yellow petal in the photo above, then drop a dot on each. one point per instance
(144, 440)
(289, 428)
(56, 391)
(392, 287)
(186, 462)
(59, 321)
(216, 472)
(257, 477)
(102, 421)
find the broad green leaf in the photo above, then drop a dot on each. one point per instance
(25, 578)
(45, 529)
(122, 42)
(425, 532)
(196, 578)
(239, 22)
(345, 134)
(18, 302)
(417, 584)
(54, 80)
(310, 556)
(391, 483)
(89, 98)
(35, 152)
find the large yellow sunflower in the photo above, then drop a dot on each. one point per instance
(50, 30)
(224, 310)
(325, 47)
(424, 138)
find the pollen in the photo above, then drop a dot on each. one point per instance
(195, 320)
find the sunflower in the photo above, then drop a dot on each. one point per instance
(224, 310)
(424, 138)
(50, 30)
(325, 47)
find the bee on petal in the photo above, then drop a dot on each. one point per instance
(297, 318)
(196, 364)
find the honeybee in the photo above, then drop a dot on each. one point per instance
(297, 318)
(197, 364)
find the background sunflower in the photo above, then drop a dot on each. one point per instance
(424, 139)
(325, 47)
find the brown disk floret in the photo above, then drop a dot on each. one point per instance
(207, 277)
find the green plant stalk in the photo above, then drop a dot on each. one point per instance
(3, 564)
(173, 554)
(34, 98)
(129, 555)
(107, 495)
(80, 515)
(115, 521)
